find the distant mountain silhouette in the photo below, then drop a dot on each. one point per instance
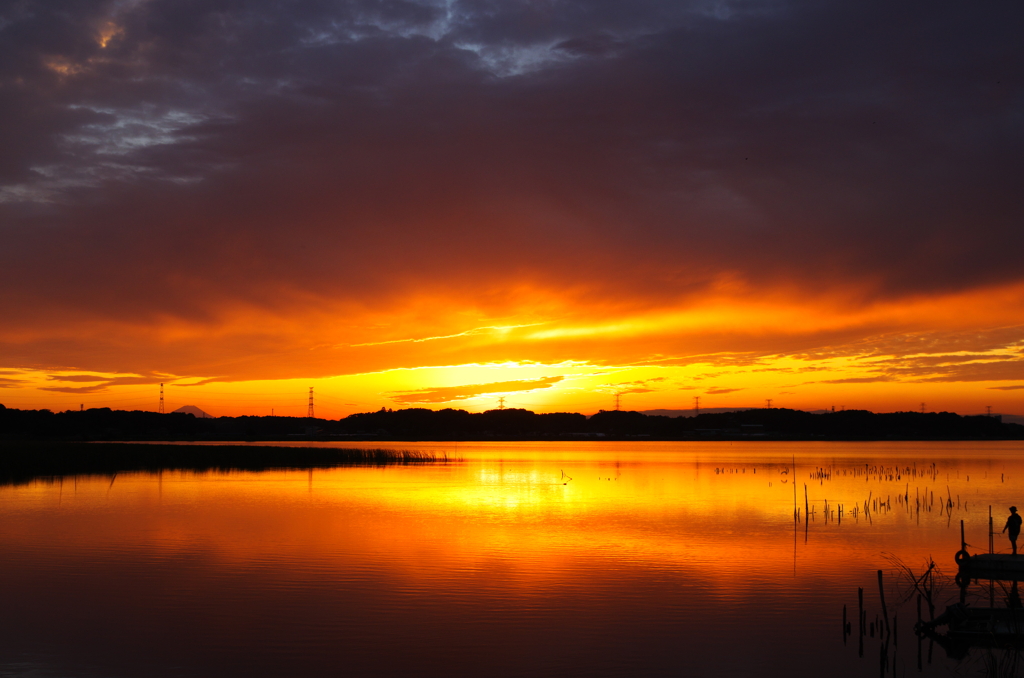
(193, 410)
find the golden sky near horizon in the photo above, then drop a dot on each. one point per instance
(765, 352)
(443, 205)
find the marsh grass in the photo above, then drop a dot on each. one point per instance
(22, 462)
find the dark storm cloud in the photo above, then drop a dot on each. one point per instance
(184, 159)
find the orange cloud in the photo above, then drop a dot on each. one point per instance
(76, 377)
(75, 389)
(446, 394)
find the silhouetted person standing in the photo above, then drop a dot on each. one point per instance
(1013, 525)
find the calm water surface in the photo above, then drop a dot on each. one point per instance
(522, 559)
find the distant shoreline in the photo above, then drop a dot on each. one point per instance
(23, 461)
(420, 424)
(28, 460)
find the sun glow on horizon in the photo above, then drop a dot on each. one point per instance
(802, 353)
(875, 382)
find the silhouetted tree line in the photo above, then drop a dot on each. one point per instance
(508, 424)
(22, 461)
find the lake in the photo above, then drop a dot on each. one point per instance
(520, 559)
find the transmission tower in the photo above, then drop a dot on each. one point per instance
(768, 403)
(617, 396)
(310, 412)
(161, 408)
(988, 410)
(501, 403)
(696, 405)
(922, 408)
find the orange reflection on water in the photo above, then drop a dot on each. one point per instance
(615, 551)
(726, 511)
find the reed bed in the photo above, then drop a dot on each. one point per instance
(22, 462)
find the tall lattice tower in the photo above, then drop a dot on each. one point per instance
(161, 408)
(310, 412)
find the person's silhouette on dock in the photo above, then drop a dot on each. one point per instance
(1013, 525)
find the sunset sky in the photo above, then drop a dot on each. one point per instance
(442, 203)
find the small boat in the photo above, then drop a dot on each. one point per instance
(970, 626)
(1001, 566)
(991, 565)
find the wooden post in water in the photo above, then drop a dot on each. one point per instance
(796, 511)
(991, 535)
(807, 505)
(881, 596)
(963, 542)
(860, 609)
(920, 664)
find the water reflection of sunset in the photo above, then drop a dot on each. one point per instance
(647, 543)
(728, 508)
